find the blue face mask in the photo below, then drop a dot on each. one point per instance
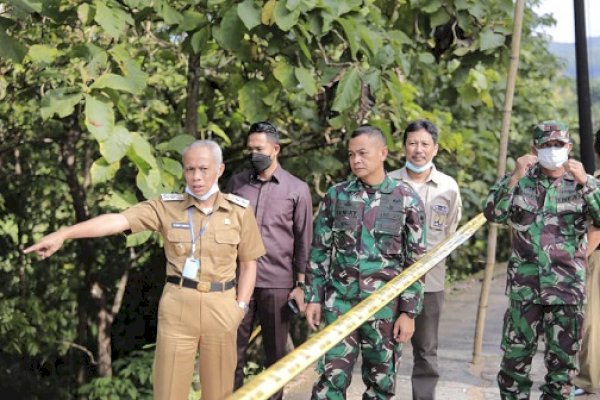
(417, 169)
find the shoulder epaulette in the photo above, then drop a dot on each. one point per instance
(240, 201)
(172, 196)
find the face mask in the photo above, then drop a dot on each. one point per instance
(417, 169)
(213, 189)
(259, 162)
(552, 157)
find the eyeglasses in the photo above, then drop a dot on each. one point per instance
(557, 144)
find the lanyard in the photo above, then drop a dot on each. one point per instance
(202, 230)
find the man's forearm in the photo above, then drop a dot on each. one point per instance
(247, 280)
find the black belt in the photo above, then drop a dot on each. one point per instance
(201, 286)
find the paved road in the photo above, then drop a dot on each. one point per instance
(460, 379)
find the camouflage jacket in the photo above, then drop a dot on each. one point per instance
(549, 225)
(363, 238)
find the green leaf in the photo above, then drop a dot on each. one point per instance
(216, 129)
(431, 6)
(130, 68)
(200, 39)
(192, 20)
(177, 143)
(101, 171)
(117, 82)
(426, 58)
(170, 15)
(307, 82)
(284, 18)
(266, 14)
(85, 13)
(112, 19)
(61, 102)
(42, 54)
(284, 73)
(249, 13)
(141, 153)
(28, 6)
(171, 166)
(11, 48)
(231, 31)
(99, 117)
(372, 39)
(399, 37)
(488, 39)
(250, 100)
(149, 183)
(116, 146)
(135, 239)
(348, 90)
(352, 34)
(441, 17)
(120, 200)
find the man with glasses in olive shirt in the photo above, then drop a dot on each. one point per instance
(283, 208)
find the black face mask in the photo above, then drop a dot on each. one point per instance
(259, 162)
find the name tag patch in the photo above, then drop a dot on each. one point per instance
(439, 215)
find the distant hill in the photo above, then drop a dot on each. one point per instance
(566, 51)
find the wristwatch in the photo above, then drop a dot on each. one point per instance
(244, 306)
(300, 284)
(410, 315)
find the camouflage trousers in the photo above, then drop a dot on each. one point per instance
(561, 329)
(380, 358)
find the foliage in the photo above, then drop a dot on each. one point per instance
(98, 98)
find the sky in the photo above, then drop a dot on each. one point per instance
(564, 30)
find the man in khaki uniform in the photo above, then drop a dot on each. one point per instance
(204, 233)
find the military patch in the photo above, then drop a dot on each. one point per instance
(347, 215)
(172, 196)
(439, 214)
(240, 201)
(389, 226)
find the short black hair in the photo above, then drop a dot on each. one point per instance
(267, 128)
(369, 130)
(421, 124)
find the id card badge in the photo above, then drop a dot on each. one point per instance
(190, 268)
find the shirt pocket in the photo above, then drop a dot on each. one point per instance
(229, 236)
(388, 233)
(345, 240)
(571, 217)
(180, 241)
(522, 213)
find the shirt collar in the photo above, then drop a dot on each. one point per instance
(356, 185)
(276, 177)
(220, 202)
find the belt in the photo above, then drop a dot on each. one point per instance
(201, 286)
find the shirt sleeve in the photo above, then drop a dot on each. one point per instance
(251, 246)
(411, 300)
(497, 205)
(591, 194)
(303, 229)
(455, 212)
(317, 273)
(143, 216)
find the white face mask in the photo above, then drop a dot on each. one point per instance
(213, 189)
(553, 157)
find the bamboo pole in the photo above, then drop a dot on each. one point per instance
(501, 169)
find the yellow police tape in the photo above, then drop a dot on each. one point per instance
(273, 379)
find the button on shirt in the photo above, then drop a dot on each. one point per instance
(283, 209)
(443, 210)
(549, 224)
(231, 234)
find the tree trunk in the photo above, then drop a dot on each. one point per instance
(193, 85)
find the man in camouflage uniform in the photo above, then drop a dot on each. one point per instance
(546, 200)
(367, 231)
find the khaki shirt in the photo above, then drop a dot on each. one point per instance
(443, 210)
(232, 233)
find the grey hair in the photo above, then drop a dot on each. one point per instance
(212, 146)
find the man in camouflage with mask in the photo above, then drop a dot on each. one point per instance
(368, 229)
(546, 201)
